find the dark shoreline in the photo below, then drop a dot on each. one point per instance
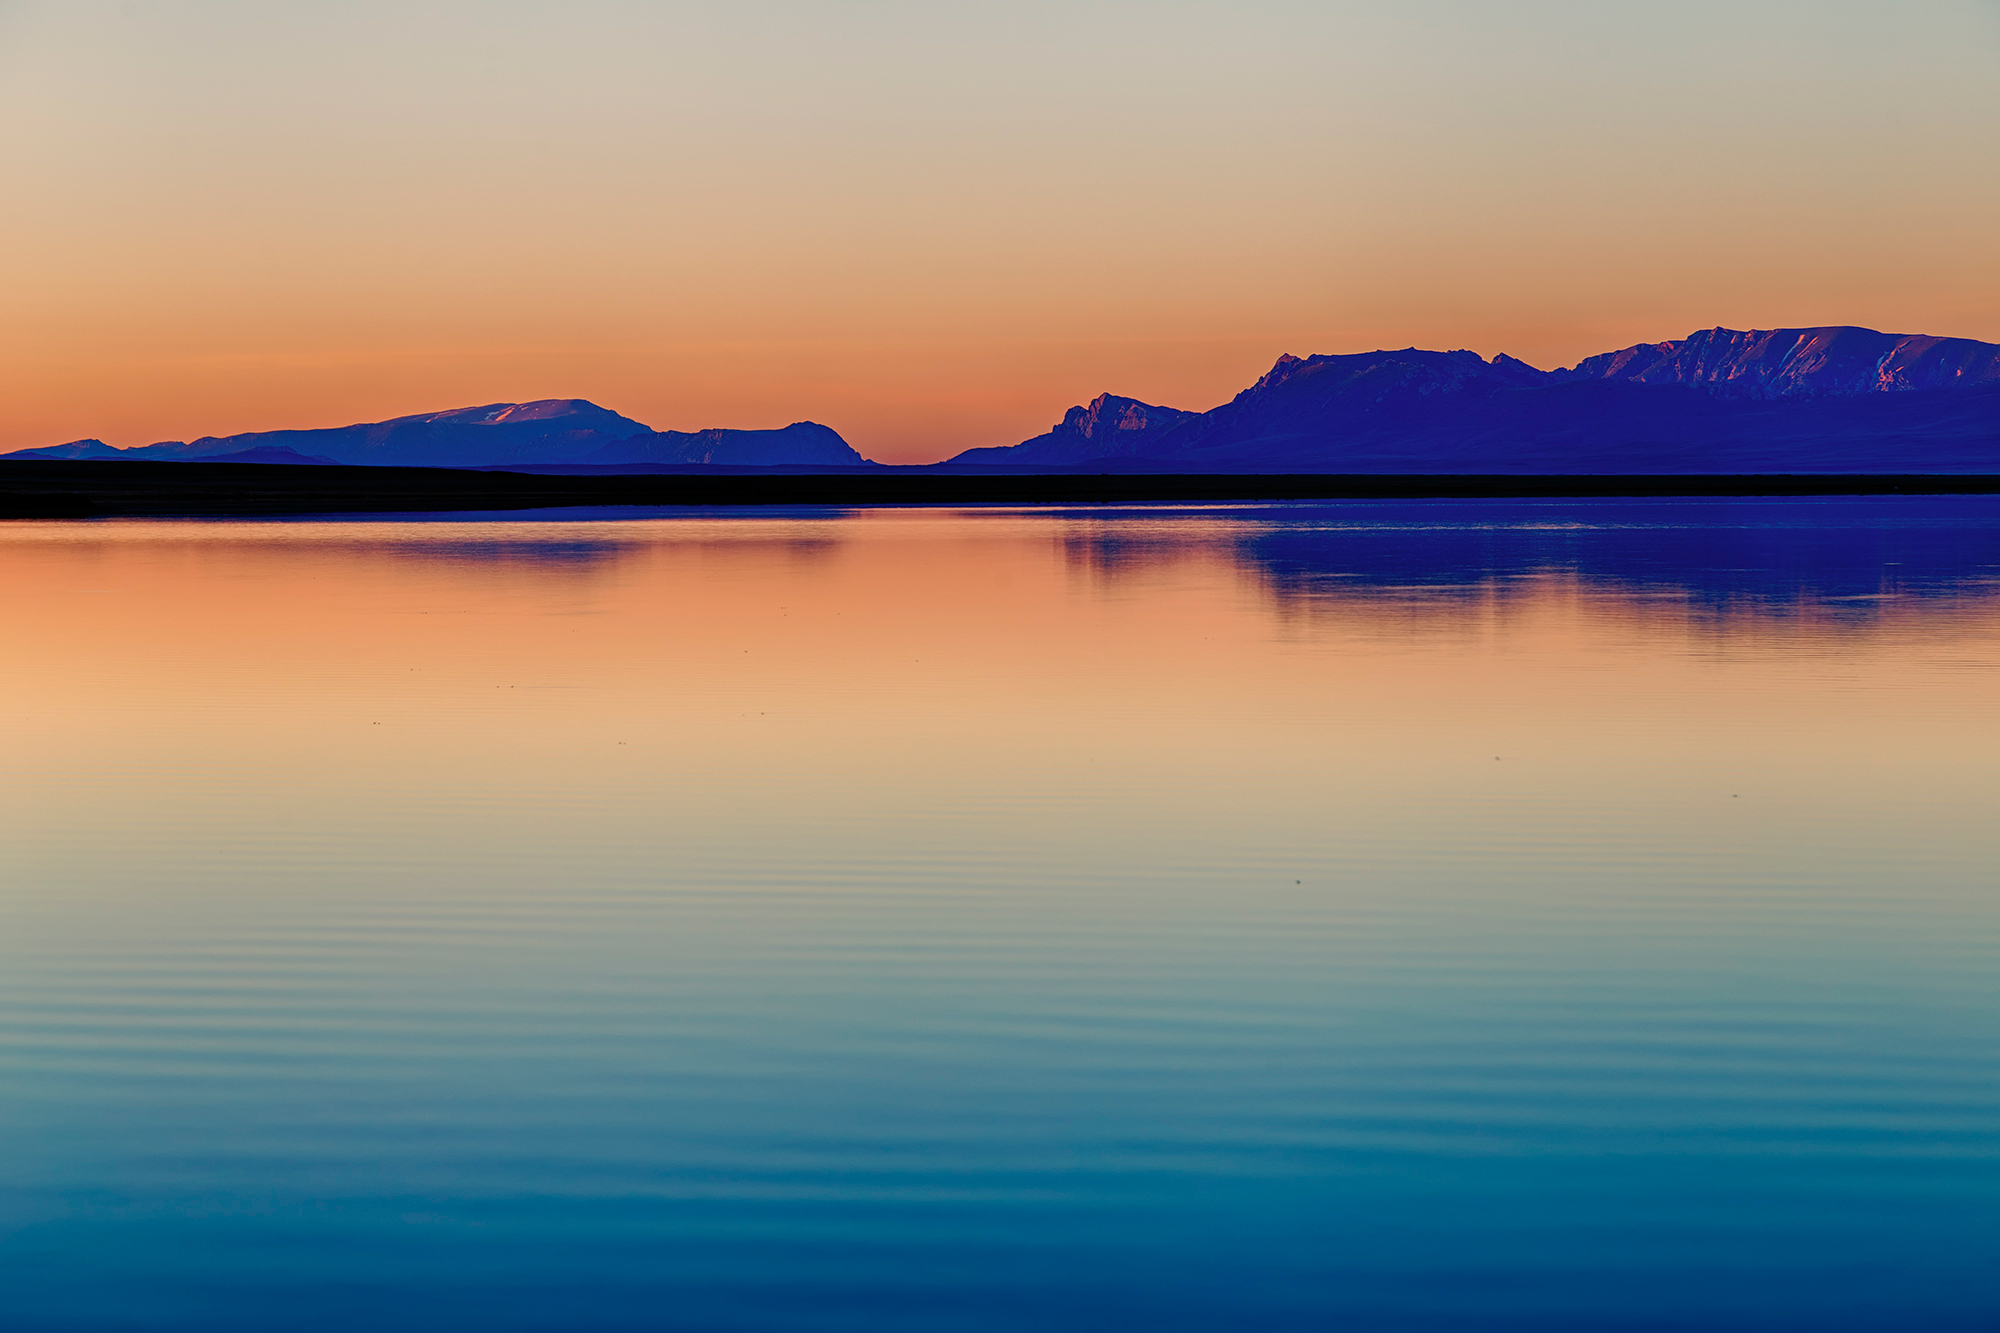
(56, 489)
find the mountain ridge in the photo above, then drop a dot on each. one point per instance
(1827, 398)
(1829, 361)
(545, 431)
(1819, 399)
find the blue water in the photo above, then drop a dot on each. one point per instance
(1448, 916)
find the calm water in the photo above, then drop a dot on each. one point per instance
(1541, 916)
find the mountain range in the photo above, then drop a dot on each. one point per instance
(552, 431)
(1785, 400)
(1836, 399)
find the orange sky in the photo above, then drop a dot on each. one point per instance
(934, 227)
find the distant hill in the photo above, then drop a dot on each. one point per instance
(1785, 400)
(265, 453)
(74, 449)
(803, 443)
(553, 430)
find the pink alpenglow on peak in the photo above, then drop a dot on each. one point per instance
(1108, 427)
(573, 413)
(1833, 362)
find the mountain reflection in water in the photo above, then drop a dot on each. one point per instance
(1834, 559)
(1837, 560)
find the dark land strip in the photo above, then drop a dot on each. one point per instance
(45, 489)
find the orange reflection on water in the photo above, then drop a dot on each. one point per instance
(761, 673)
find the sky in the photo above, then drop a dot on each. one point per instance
(937, 225)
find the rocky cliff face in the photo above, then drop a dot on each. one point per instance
(1833, 362)
(1116, 422)
(1107, 427)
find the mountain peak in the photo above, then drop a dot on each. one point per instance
(548, 431)
(1109, 426)
(1516, 365)
(73, 449)
(1281, 370)
(571, 413)
(1109, 415)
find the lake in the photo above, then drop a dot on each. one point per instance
(1446, 915)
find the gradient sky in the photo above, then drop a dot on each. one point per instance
(937, 225)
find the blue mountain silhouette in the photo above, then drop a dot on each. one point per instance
(1835, 399)
(551, 431)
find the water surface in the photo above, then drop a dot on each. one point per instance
(1575, 915)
